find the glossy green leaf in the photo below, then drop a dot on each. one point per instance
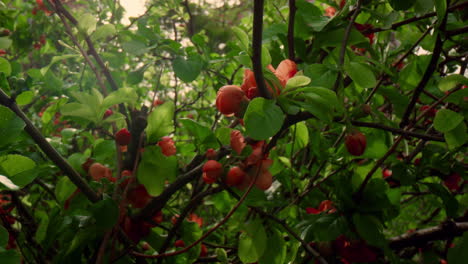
(449, 82)
(87, 23)
(155, 169)
(24, 98)
(252, 243)
(361, 74)
(10, 126)
(103, 31)
(370, 228)
(106, 213)
(5, 66)
(401, 5)
(457, 136)
(242, 37)
(203, 135)
(10, 257)
(160, 122)
(263, 119)
(64, 189)
(441, 8)
(459, 253)
(187, 69)
(122, 95)
(297, 81)
(135, 47)
(450, 203)
(446, 120)
(275, 252)
(3, 237)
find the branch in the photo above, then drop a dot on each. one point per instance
(209, 232)
(427, 74)
(398, 131)
(458, 31)
(257, 49)
(444, 231)
(50, 151)
(414, 19)
(345, 42)
(292, 15)
(157, 203)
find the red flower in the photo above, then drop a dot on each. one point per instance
(196, 219)
(452, 181)
(210, 154)
(325, 206)
(354, 251)
(123, 137)
(158, 102)
(330, 11)
(136, 230)
(237, 141)
(363, 28)
(167, 146)
(203, 251)
(179, 243)
(138, 197)
(285, 71)
(432, 112)
(231, 100)
(386, 173)
(211, 171)
(235, 176)
(2, 52)
(355, 143)
(97, 171)
(108, 113)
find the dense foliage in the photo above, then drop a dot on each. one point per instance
(285, 131)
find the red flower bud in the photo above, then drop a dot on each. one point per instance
(167, 146)
(355, 143)
(123, 137)
(432, 112)
(210, 154)
(97, 171)
(453, 181)
(2, 52)
(138, 196)
(211, 171)
(386, 173)
(203, 251)
(235, 176)
(330, 11)
(158, 102)
(179, 243)
(231, 100)
(108, 113)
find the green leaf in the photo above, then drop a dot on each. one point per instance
(361, 74)
(5, 42)
(252, 243)
(11, 126)
(203, 135)
(15, 164)
(5, 66)
(106, 213)
(3, 237)
(275, 252)
(10, 257)
(79, 110)
(301, 135)
(266, 57)
(446, 120)
(441, 8)
(103, 32)
(297, 81)
(401, 5)
(242, 37)
(160, 122)
(449, 82)
(64, 189)
(24, 98)
(459, 253)
(369, 227)
(155, 169)
(187, 70)
(56, 59)
(122, 95)
(135, 47)
(450, 203)
(87, 23)
(456, 137)
(263, 118)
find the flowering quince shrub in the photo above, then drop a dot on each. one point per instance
(271, 132)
